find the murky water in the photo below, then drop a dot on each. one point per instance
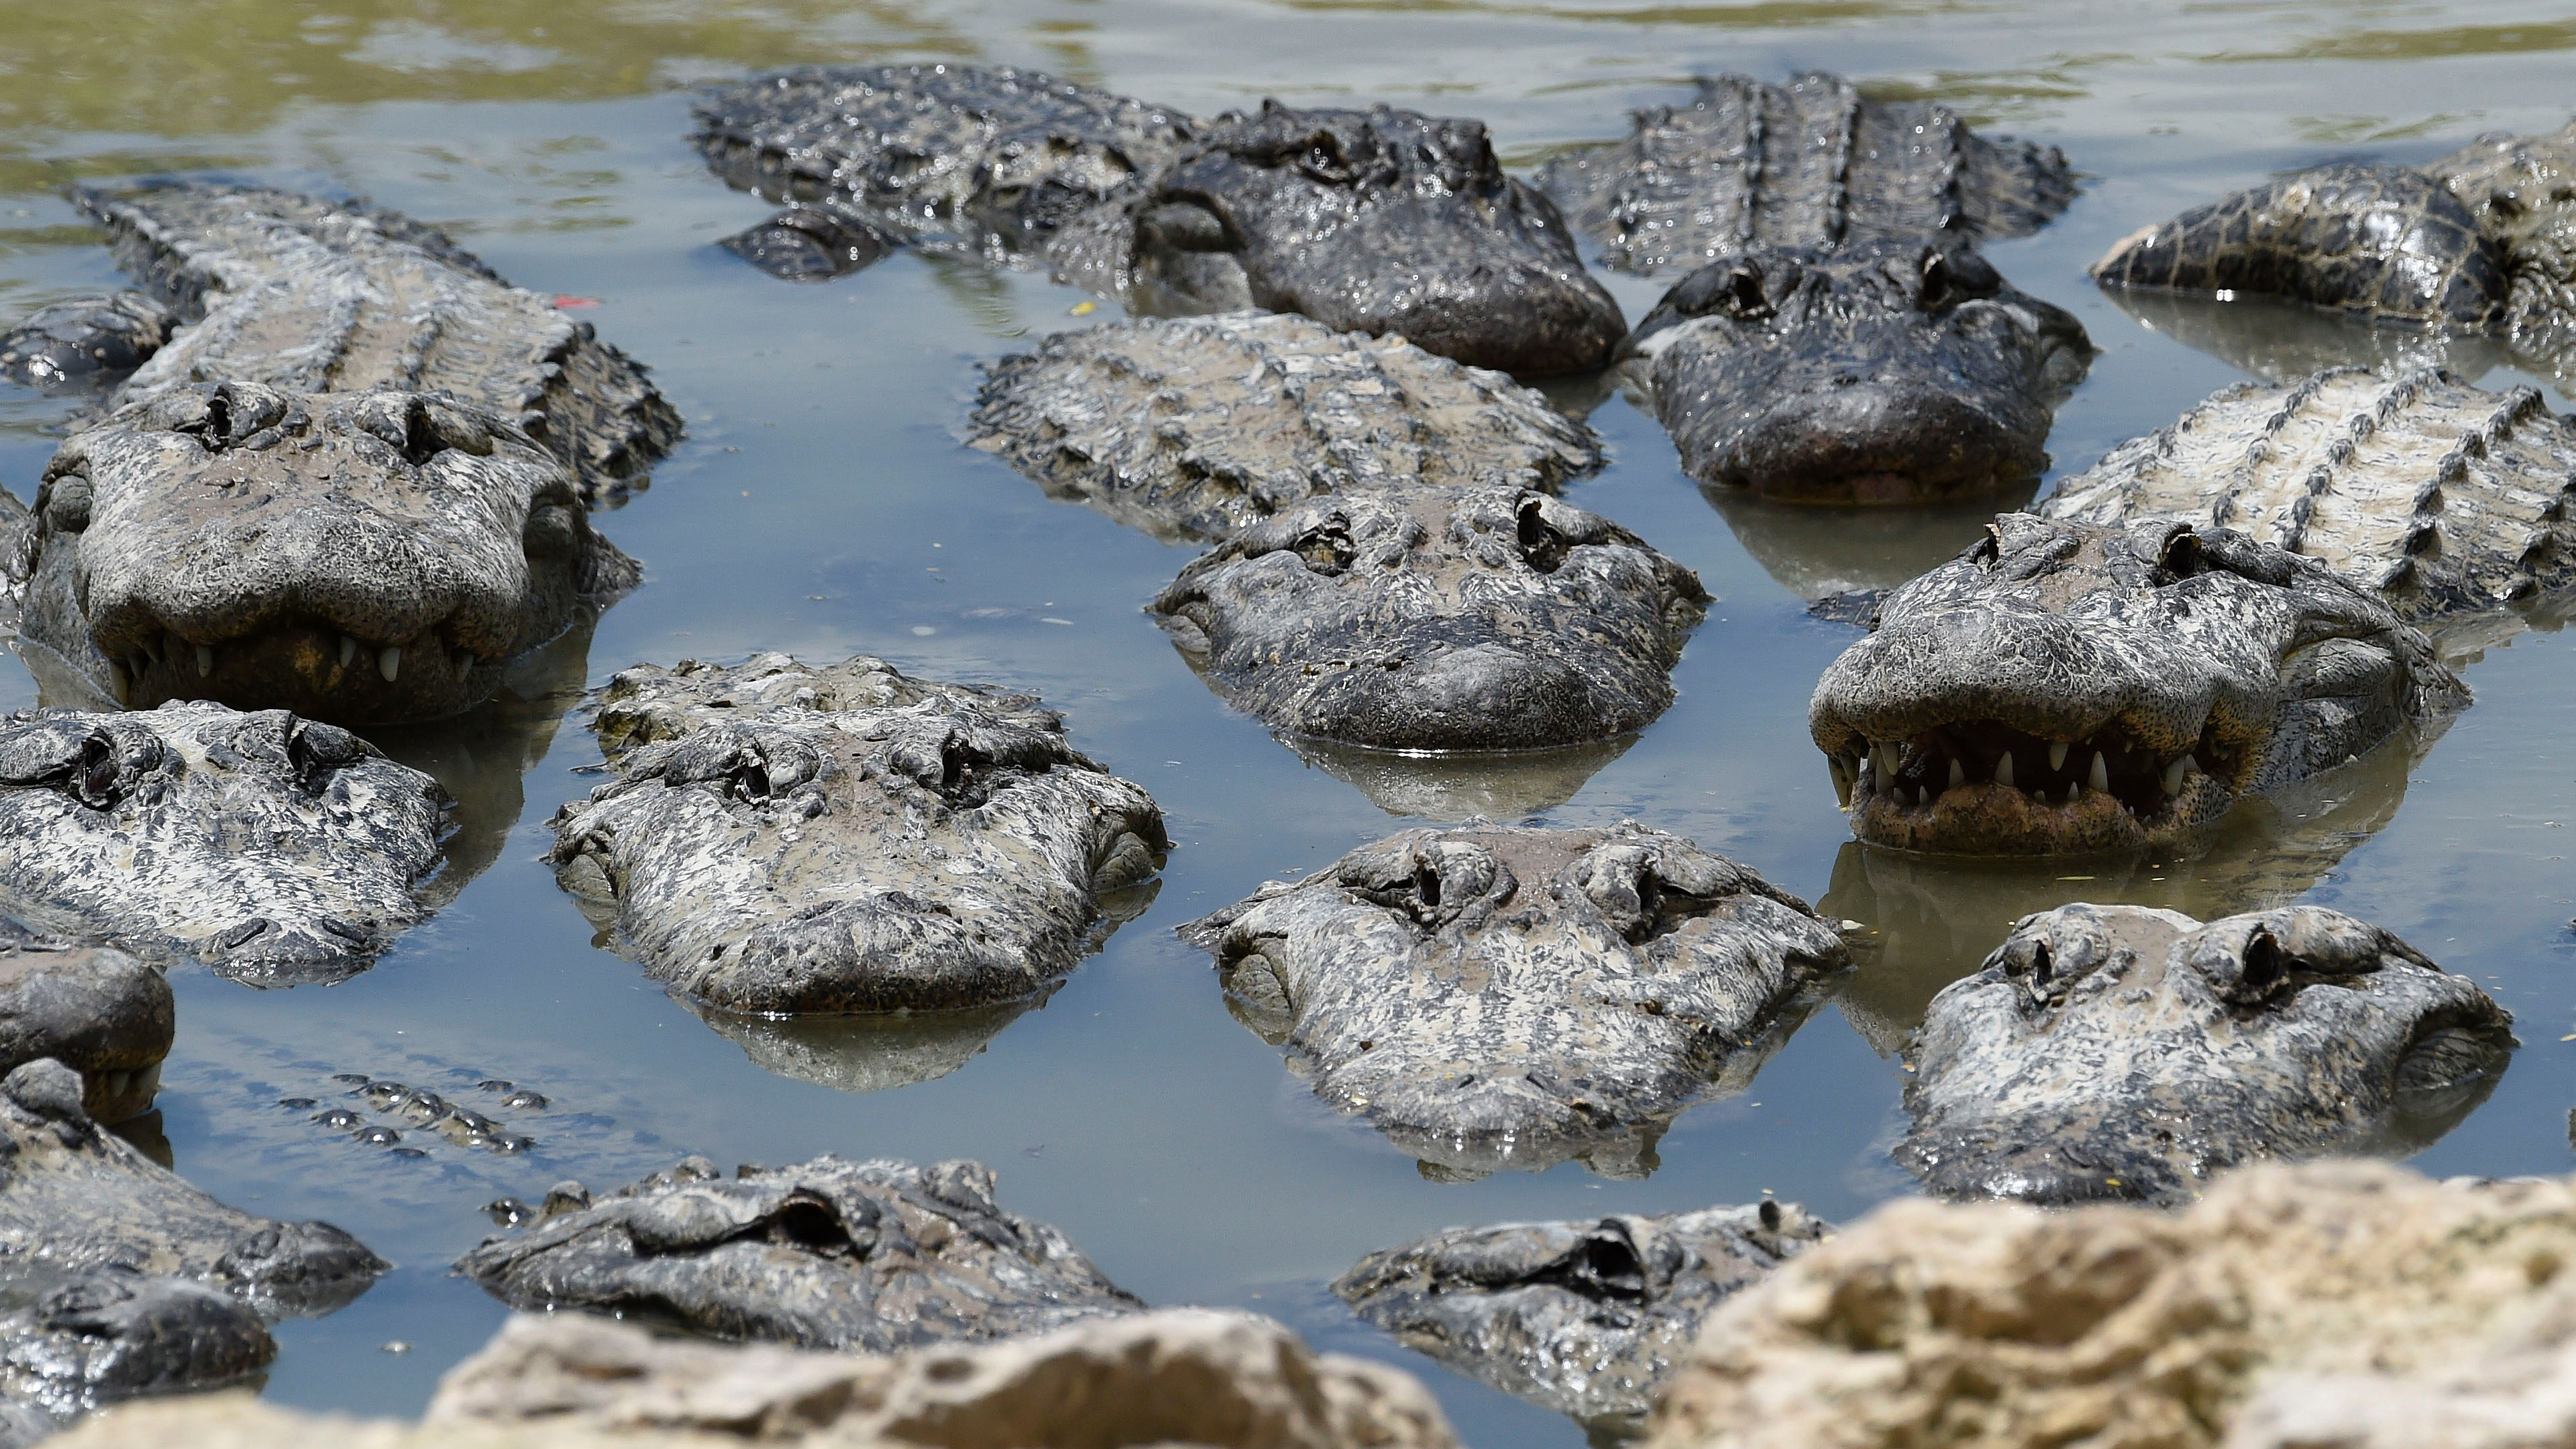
(822, 505)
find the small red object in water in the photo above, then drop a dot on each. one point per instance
(568, 302)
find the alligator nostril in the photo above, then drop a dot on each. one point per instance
(243, 933)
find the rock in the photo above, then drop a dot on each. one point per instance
(95, 1009)
(2248, 1314)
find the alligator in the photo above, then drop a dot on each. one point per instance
(85, 342)
(779, 838)
(75, 1342)
(876, 1256)
(1379, 221)
(2481, 240)
(2062, 688)
(1887, 371)
(271, 848)
(1586, 1318)
(420, 1110)
(1479, 1024)
(1191, 428)
(356, 484)
(2450, 502)
(1813, 163)
(2121, 1052)
(95, 1009)
(76, 1199)
(1483, 618)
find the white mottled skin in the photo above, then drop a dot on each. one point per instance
(788, 839)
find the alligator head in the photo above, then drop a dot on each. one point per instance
(362, 557)
(1889, 372)
(1490, 996)
(1379, 221)
(99, 1337)
(1587, 1318)
(2125, 1052)
(783, 839)
(1437, 619)
(273, 848)
(2060, 688)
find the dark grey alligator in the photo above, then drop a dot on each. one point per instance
(2483, 239)
(1586, 1318)
(1377, 221)
(83, 342)
(1813, 163)
(270, 847)
(875, 1256)
(1490, 617)
(1890, 371)
(2064, 687)
(76, 1342)
(1492, 996)
(2450, 502)
(354, 485)
(1191, 428)
(779, 838)
(2122, 1052)
(95, 1009)
(76, 1199)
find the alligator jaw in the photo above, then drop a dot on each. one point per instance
(1982, 787)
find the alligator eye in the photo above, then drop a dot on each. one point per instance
(1938, 283)
(2183, 557)
(1542, 543)
(550, 533)
(1327, 550)
(2266, 964)
(315, 750)
(95, 779)
(1733, 289)
(1426, 886)
(1988, 551)
(65, 503)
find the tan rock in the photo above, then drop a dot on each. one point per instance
(571, 1381)
(1996, 1325)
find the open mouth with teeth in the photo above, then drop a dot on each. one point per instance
(1982, 787)
(316, 670)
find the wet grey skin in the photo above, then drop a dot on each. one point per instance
(1490, 996)
(778, 838)
(1889, 372)
(96, 1338)
(1191, 428)
(876, 1256)
(2448, 501)
(1486, 618)
(2481, 240)
(101, 1012)
(2065, 688)
(2120, 1052)
(76, 1199)
(273, 849)
(1813, 163)
(84, 342)
(1382, 221)
(354, 484)
(1586, 1318)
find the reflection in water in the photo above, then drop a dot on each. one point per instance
(1817, 551)
(1452, 787)
(1931, 920)
(2281, 341)
(864, 1053)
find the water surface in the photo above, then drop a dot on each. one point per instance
(821, 504)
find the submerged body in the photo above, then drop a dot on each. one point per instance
(1490, 997)
(2122, 1052)
(783, 839)
(1813, 163)
(1888, 372)
(355, 484)
(1381, 221)
(2063, 688)
(875, 1256)
(1586, 1318)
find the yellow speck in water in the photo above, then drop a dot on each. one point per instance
(1085, 309)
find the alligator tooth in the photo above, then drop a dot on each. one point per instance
(2057, 754)
(1886, 757)
(1842, 774)
(2073, 791)
(2173, 776)
(2004, 770)
(1958, 776)
(2100, 779)
(205, 661)
(464, 661)
(389, 663)
(348, 650)
(117, 679)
